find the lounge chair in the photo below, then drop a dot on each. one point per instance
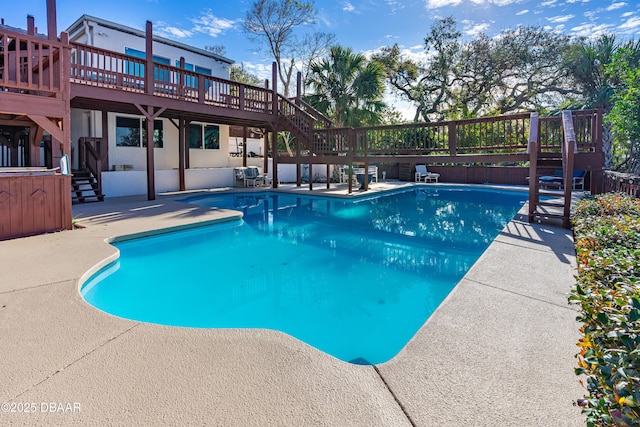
(422, 175)
(557, 181)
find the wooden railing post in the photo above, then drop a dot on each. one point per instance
(52, 22)
(532, 150)
(148, 67)
(568, 152)
(181, 90)
(453, 140)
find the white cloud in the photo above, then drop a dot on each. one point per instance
(522, 12)
(559, 19)
(395, 5)
(627, 14)
(262, 70)
(630, 25)
(164, 30)
(548, 3)
(477, 29)
(348, 7)
(211, 25)
(434, 4)
(590, 30)
(615, 6)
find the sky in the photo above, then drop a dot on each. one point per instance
(365, 26)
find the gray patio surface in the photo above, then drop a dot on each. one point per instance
(499, 351)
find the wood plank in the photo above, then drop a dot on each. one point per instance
(38, 199)
(5, 208)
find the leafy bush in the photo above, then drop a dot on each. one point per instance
(607, 233)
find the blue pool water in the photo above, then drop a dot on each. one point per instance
(355, 279)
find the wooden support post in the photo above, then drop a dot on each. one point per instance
(150, 114)
(244, 146)
(328, 175)
(35, 137)
(365, 178)
(181, 152)
(104, 143)
(274, 151)
(151, 180)
(187, 143)
(265, 157)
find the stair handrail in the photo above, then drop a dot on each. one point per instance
(300, 122)
(322, 121)
(569, 148)
(92, 160)
(532, 149)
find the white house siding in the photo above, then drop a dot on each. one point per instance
(100, 33)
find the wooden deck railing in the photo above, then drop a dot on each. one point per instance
(505, 134)
(30, 64)
(104, 68)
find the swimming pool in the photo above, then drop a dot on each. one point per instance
(353, 278)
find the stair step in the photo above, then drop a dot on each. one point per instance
(548, 214)
(84, 187)
(552, 204)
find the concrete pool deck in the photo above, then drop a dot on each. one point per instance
(499, 351)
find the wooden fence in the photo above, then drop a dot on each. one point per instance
(33, 203)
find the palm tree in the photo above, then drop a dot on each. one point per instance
(587, 63)
(347, 88)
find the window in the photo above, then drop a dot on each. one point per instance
(204, 137)
(131, 132)
(195, 136)
(137, 70)
(203, 70)
(197, 68)
(211, 137)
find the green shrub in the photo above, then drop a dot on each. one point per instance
(607, 239)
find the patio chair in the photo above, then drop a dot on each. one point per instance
(252, 176)
(238, 175)
(422, 175)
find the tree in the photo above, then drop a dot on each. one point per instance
(218, 49)
(625, 113)
(587, 63)
(428, 84)
(520, 70)
(275, 22)
(312, 47)
(347, 88)
(239, 74)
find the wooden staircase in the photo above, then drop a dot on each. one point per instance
(86, 182)
(85, 187)
(554, 200)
